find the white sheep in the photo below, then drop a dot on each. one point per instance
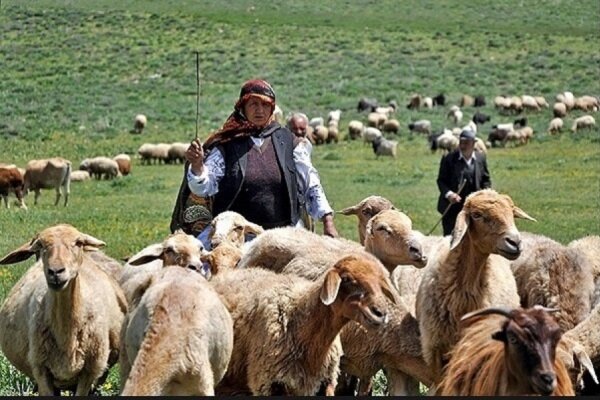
(585, 121)
(232, 227)
(371, 134)
(471, 271)
(286, 328)
(176, 152)
(60, 323)
(567, 98)
(455, 114)
(179, 337)
(334, 116)
(559, 110)
(316, 122)
(355, 129)
(376, 120)
(100, 167)
(385, 147)
(529, 103)
(420, 126)
(391, 126)
(139, 123)
(555, 126)
(48, 173)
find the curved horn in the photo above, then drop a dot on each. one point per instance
(507, 312)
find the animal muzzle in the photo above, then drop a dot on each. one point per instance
(545, 382)
(510, 246)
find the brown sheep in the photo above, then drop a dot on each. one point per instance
(124, 163)
(512, 355)
(286, 328)
(366, 209)
(60, 323)
(48, 173)
(470, 271)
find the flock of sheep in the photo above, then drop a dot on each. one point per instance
(297, 313)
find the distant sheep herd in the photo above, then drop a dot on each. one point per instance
(488, 310)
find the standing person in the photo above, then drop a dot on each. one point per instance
(461, 173)
(253, 166)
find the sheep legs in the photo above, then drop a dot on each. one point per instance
(44, 382)
(401, 384)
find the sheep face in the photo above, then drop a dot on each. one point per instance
(232, 227)
(365, 210)
(178, 249)
(391, 238)
(61, 250)
(489, 217)
(224, 256)
(356, 288)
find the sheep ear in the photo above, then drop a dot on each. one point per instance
(89, 243)
(518, 213)
(253, 228)
(21, 254)
(350, 210)
(150, 253)
(330, 287)
(584, 360)
(460, 228)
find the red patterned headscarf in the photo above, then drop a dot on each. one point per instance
(237, 125)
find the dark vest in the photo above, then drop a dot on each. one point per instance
(236, 154)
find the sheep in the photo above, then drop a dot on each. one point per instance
(446, 141)
(389, 236)
(334, 116)
(586, 121)
(472, 126)
(176, 152)
(479, 101)
(499, 132)
(480, 118)
(589, 247)
(471, 271)
(232, 227)
(100, 167)
(371, 134)
(555, 126)
(427, 102)
(516, 104)
(376, 120)
(332, 132)
(387, 111)
(48, 173)
(559, 110)
(507, 352)
(225, 256)
(320, 134)
(80, 176)
(502, 103)
(316, 122)
(11, 180)
(567, 98)
(60, 324)
(415, 102)
(139, 123)
(365, 209)
(541, 101)
(529, 103)
(366, 104)
(422, 126)
(587, 103)
(480, 146)
(277, 349)
(384, 147)
(150, 152)
(553, 275)
(355, 129)
(520, 122)
(391, 126)
(455, 115)
(439, 100)
(179, 338)
(466, 101)
(124, 163)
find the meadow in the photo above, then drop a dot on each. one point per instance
(75, 73)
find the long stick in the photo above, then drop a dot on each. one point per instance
(460, 188)
(197, 91)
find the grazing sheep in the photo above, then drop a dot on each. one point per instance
(176, 152)
(391, 126)
(479, 101)
(11, 180)
(512, 355)
(446, 141)
(466, 101)
(559, 110)
(529, 103)
(60, 323)
(567, 98)
(80, 176)
(334, 116)
(422, 126)
(355, 129)
(333, 134)
(384, 147)
(124, 163)
(516, 104)
(553, 275)
(100, 167)
(365, 210)
(366, 104)
(316, 122)
(480, 118)
(415, 102)
(555, 126)
(376, 120)
(439, 100)
(286, 329)
(46, 174)
(502, 103)
(371, 134)
(455, 115)
(320, 134)
(472, 126)
(499, 133)
(586, 103)
(427, 102)
(541, 101)
(586, 121)
(471, 271)
(179, 338)
(520, 122)
(139, 123)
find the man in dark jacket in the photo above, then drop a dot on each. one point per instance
(461, 173)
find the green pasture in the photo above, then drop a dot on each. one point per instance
(75, 73)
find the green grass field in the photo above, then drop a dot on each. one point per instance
(74, 74)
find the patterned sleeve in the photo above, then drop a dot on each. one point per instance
(309, 183)
(207, 183)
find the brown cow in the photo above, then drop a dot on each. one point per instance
(11, 180)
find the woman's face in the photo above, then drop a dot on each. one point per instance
(258, 111)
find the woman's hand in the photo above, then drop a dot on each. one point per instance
(195, 155)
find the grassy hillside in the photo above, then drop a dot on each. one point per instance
(74, 74)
